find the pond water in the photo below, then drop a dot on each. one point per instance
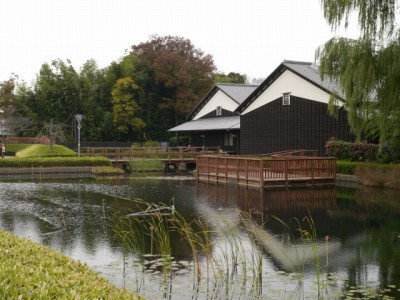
(249, 244)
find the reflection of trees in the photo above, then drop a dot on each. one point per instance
(381, 247)
(379, 201)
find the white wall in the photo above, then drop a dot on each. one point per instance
(219, 99)
(289, 82)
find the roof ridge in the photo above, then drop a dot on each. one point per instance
(297, 62)
(236, 84)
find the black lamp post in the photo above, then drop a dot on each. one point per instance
(78, 118)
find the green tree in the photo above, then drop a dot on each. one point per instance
(125, 108)
(96, 104)
(55, 95)
(232, 77)
(368, 68)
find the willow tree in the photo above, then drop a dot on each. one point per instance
(368, 68)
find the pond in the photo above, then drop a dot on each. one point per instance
(211, 242)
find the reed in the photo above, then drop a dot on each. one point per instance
(227, 252)
(62, 217)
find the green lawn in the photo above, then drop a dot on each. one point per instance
(39, 150)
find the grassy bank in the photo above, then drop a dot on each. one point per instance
(38, 150)
(32, 271)
(146, 165)
(372, 174)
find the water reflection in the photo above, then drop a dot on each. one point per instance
(362, 226)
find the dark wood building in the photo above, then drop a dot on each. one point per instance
(289, 111)
(214, 122)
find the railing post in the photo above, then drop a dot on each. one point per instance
(237, 168)
(226, 169)
(286, 171)
(261, 165)
(312, 169)
(208, 168)
(246, 164)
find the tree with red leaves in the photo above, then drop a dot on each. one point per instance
(181, 73)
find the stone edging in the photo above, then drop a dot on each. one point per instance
(45, 173)
(348, 180)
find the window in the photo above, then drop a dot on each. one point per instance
(219, 110)
(286, 99)
(228, 139)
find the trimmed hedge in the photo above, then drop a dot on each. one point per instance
(27, 162)
(33, 271)
(352, 151)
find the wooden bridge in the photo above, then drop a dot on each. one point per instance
(170, 155)
(284, 169)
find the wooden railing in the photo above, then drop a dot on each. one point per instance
(260, 169)
(119, 154)
(302, 152)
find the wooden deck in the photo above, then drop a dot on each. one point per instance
(266, 172)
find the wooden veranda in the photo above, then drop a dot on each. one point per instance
(271, 171)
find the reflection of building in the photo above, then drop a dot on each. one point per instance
(272, 235)
(268, 201)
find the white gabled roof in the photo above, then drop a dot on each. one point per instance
(238, 92)
(306, 74)
(310, 71)
(227, 95)
(222, 123)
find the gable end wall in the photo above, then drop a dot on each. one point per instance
(304, 124)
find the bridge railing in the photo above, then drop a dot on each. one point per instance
(160, 153)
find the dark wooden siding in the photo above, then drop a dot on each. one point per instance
(304, 124)
(215, 139)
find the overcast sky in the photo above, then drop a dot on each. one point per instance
(245, 36)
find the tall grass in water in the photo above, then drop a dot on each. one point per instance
(227, 250)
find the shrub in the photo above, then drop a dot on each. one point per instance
(352, 151)
(346, 167)
(151, 143)
(33, 271)
(27, 162)
(146, 165)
